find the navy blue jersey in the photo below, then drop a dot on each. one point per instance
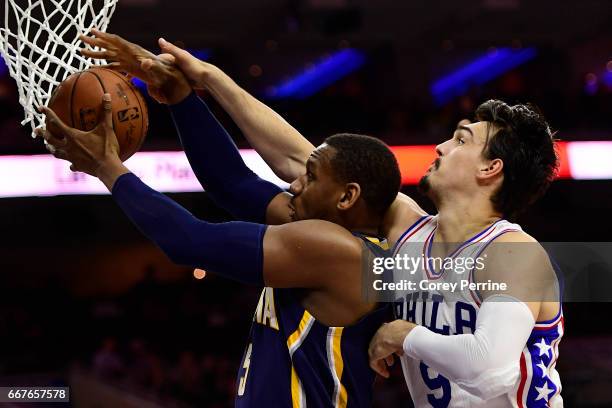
(292, 360)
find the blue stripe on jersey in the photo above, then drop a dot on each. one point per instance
(537, 384)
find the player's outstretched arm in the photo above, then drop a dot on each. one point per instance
(212, 154)
(283, 148)
(218, 165)
(280, 144)
(165, 82)
(284, 256)
(302, 254)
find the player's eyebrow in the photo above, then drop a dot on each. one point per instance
(467, 129)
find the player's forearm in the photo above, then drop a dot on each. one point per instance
(233, 249)
(279, 144)
(484, 363)
(217, 162)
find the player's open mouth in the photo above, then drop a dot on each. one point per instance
(434, 165)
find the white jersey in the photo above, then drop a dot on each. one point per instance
(537, 382)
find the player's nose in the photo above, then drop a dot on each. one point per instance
(296, 186)
(441, 148)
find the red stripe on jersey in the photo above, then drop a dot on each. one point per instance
(519, 394)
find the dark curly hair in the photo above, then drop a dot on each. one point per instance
(370, 163)
(524, 142)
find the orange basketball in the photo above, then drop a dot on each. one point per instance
(78, 103)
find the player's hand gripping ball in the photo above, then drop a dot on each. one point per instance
(76, 101)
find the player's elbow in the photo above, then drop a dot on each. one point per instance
(489, 379)
(289, 168)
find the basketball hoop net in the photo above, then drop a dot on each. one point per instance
(39, 43)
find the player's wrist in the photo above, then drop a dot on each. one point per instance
(109, 169)
(407, 340)
(209, 76)
(178, 93)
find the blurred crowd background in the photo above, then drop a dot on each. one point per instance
(86, 301)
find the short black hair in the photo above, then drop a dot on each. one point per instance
(370, 163)
(525, 144)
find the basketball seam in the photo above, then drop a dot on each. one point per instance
(103, 89)
(145, 127)
(98, 78)
(72, 91)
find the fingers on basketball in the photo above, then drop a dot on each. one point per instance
(53, 119)
(108, 110)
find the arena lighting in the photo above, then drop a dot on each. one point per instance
(479, 71)
(589, 160)
(607, 78)
(202, 54)
(319, 76)
(169, 172)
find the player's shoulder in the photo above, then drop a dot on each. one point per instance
(519, 251)
(321, 226)
(321, 233)
(517, 244)
(516, 236)
(409, 205)
(518, 260)
(402, 214)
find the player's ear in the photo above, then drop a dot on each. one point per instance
(490, 169)
(352, 192)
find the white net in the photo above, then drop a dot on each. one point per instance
(39, 43)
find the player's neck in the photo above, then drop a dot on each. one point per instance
(359, 219)
(460, 219)
(369, 230)
(355, 223)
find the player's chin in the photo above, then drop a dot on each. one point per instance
(424, 183)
